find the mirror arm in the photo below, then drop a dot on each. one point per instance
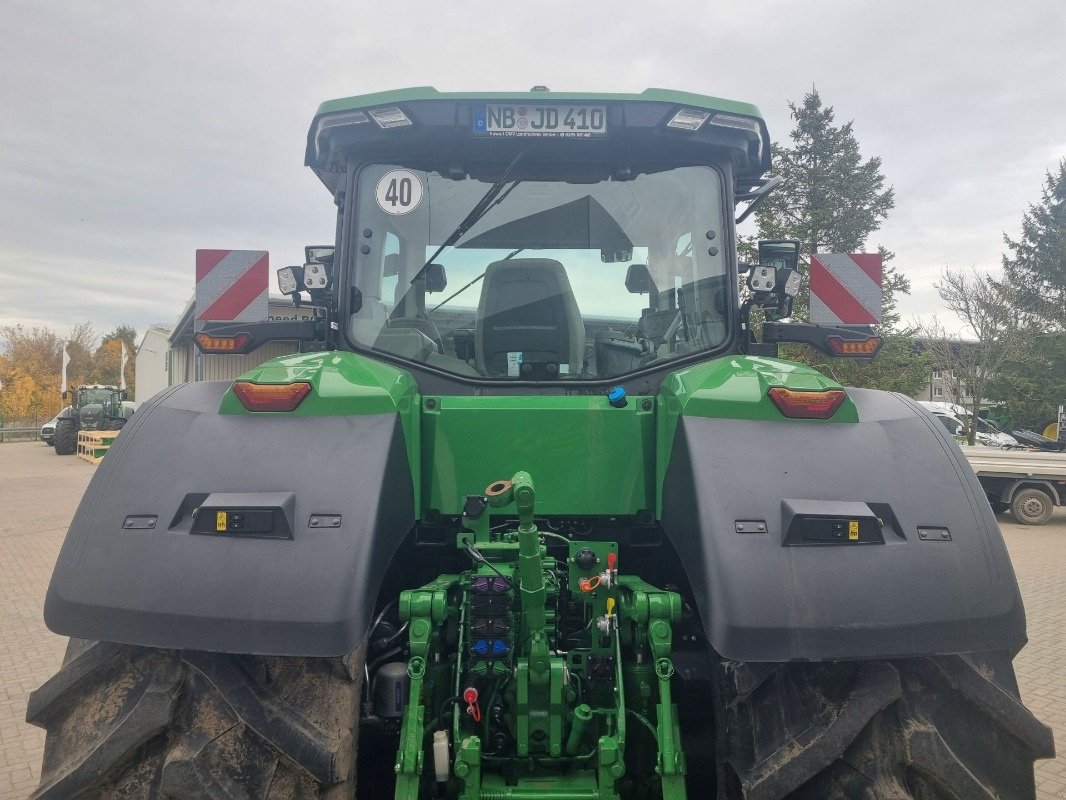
(818, 336)
(757, 196)
(259, 333)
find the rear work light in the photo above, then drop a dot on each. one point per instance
(391, 117)
(807, 405)
(865, 349)
(271, 396)
(222, 344)
(688, 119)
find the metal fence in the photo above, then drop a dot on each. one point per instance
(19, 434)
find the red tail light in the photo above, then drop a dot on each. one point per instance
(807, 405)
(271, 396)
(865, 349)
(221, 344)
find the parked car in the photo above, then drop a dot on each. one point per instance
(988, 433)
(48, 430)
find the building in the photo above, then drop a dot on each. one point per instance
(186, 363)
(944, 387)
(151, 358)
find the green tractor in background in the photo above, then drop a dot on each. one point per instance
(92, 408)
(533, 514)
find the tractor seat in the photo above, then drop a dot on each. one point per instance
(528, 314)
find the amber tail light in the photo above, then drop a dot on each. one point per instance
(271, 396)
(222, 344)
(806, 404)
(866, 348)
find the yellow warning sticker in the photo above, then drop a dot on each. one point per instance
(220, 521)
(853, 529)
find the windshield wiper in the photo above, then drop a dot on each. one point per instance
(493, 197)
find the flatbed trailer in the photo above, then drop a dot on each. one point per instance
(1028, 483)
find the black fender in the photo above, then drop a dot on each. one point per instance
(930, 575)
(132, 569)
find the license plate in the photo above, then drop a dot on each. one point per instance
(516, 119)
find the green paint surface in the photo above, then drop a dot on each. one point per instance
(733, 387)
(588, 457)
(341, 383)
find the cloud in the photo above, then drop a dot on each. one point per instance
(134, 133)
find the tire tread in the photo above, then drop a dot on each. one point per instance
(125, 722)
(936, 728)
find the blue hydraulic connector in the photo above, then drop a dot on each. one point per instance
(617, 397)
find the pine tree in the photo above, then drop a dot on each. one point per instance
(833, 201)
(1036, 263)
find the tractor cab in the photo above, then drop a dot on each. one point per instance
(100, 407)
(542, 237)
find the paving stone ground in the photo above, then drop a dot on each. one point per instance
(40, 490)
(38, 494)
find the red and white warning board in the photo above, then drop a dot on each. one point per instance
(231, 285)
(846, 288)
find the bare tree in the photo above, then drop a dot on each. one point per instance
(994, 334)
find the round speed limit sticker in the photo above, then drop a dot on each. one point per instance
(399, 191)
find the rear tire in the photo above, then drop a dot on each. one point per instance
(66, 437)
(1031, 506)
(936, 728)
(135, 722)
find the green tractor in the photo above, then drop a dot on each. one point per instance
(533, 513)
(92, 408)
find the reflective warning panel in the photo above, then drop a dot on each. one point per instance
(846, 288)
(231, 285)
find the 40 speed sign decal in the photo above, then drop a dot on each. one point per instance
(398, 192)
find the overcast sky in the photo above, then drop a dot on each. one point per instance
(132, 133)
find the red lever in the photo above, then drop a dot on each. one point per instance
(472, 708)
(612, 559)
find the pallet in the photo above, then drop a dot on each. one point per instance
(93, 445)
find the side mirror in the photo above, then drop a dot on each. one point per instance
(435, 277)
(392, 265)
(123, 394)
(779, 253)
(775, 280)
(321, 253)
(638, 279)
(615, 256)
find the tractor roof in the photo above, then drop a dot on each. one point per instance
(363, 101)
(342, 124)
